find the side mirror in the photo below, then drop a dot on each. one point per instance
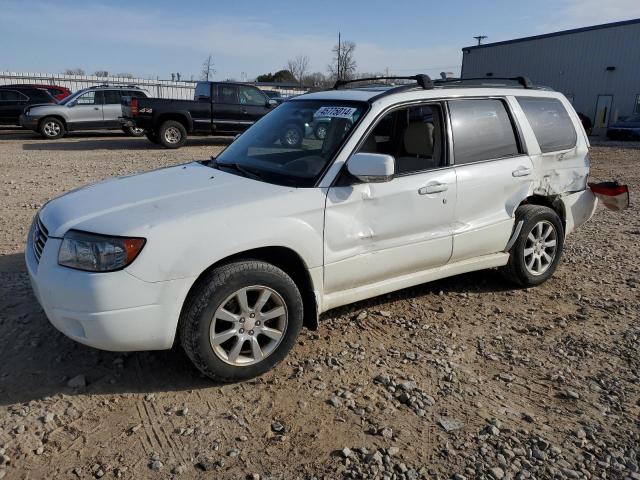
(371, 167)
(72, 103)
(271, 103)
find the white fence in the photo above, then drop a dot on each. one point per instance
(156, 88)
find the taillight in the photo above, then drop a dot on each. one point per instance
(134, 106)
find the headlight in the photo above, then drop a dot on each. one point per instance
(98, 253)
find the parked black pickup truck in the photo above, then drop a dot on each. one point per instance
(218, 108)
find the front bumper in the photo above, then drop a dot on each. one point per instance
(29, 121)
(110, 311)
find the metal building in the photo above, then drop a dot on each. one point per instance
(597, 68)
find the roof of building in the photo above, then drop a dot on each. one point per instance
(556, 34)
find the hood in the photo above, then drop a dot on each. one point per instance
(131, 206)
(36, 105)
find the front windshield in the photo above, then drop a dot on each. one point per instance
(71, 97)
(294, 143)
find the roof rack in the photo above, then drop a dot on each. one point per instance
(423, 81)
(107, 85)
(524, 82)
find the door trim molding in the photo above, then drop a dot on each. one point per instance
(345, 297)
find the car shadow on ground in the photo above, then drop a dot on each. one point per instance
(37, 361)
(112, 142)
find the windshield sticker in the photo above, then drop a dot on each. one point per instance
(335, 112)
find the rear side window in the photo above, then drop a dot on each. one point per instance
(482, 130)
(202, 90)
(112, 97)
(228, 94)
(11, 96)
(550, 122)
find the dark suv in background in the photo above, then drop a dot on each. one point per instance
(14, 99)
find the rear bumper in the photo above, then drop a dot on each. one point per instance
(110, 311)
(28, 121)
(578, 207)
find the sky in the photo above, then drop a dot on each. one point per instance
(153, 38)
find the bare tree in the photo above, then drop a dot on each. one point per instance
(207, 68)
(298, 67)
(101, 73)
(316, 80)
(73, 71)
(125, 75)
(343, 66)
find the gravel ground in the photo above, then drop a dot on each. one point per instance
(464, 378)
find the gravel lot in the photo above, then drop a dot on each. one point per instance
(465, 378)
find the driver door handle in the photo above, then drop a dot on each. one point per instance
(96, 108)
(435, 187)
(521, 172)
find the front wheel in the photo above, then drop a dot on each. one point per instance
(241, 320)
(536, 253)
(172, 134)
(52, 128)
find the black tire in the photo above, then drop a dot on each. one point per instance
(172, 134)
(321, 130)
(292, 136)
(52, 128)
(152, 136)
(212, 292)
(517, 270)
(133, 131)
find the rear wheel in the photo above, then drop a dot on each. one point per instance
(241, 320)
(133, 131)
(536, 253)
(52, 128)
(172, 134)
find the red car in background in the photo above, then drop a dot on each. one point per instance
(56, 92)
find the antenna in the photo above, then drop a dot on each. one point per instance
(479, 38)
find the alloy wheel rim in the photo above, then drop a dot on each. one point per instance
(172, 135)
(51, 129)
(248, 325)
(322, 132)
(137, 131)
(540, 247)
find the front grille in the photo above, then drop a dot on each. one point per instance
(39, 238)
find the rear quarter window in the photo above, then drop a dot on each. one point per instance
(202, 90)
(550, 122)
(482, 130)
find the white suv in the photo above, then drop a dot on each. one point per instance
(409, 184)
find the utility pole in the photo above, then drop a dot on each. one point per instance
(479, 38)
(338, 55)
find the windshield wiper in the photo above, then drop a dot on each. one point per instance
(239, 168)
